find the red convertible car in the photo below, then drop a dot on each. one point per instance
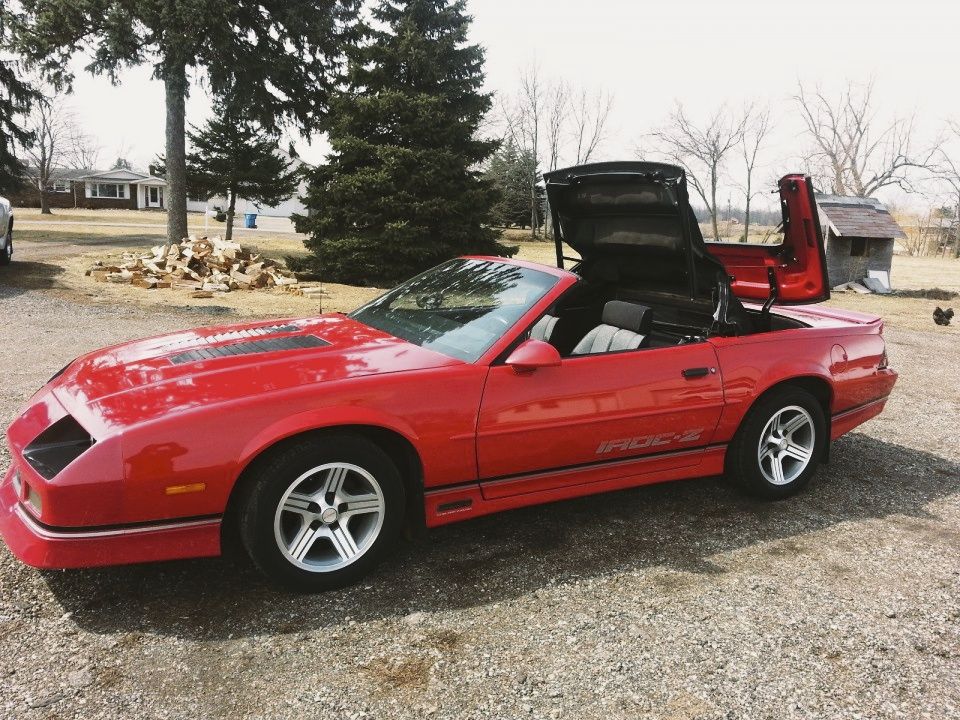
(482, 385)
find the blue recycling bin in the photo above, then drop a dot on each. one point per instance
(250, 220)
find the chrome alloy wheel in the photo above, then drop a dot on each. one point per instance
(786, 445)
(329, 517)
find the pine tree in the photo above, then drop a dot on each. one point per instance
(402, 189)
(235, 157)
(285, 55)
(510, 171)
(16, 98)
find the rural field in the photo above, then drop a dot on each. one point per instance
(677, 601)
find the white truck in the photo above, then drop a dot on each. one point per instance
(6, 231)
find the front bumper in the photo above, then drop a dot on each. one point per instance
(42, 546)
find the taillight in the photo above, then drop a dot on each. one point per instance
(57, 446)
(884, 360)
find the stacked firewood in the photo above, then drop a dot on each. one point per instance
(201, 265)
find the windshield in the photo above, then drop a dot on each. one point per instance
(459, 308)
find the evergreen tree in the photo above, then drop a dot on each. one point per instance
(235, 157)
(285, 55)
(510, 171)
(402, 189)
(16, 98)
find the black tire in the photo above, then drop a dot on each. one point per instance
(6, 251)
(262, 525)
(753, 474)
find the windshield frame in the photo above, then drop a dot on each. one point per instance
(554, 281)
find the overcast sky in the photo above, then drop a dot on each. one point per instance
(701, 52)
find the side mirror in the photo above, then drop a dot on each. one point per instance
(533, 354)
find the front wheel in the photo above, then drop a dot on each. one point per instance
(779, 445)
(322, 512)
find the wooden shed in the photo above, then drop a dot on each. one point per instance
(860, 235)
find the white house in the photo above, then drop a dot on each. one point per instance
(285, 209)
(120, 188)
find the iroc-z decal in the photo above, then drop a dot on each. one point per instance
(645, 441)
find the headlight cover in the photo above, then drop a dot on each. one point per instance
(57, 446)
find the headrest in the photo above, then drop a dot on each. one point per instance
(628, 316)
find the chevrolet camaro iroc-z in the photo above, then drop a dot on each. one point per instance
(481, 385)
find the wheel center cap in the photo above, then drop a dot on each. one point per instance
(329, 516)
(782, 445)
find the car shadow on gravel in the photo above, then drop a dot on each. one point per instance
(679, 526)
(20, 277)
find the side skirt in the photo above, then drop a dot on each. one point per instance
(470, 500)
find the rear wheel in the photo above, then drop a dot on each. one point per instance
(6, 250)
(321, 513)
(779, 445)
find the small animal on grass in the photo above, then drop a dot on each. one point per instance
(942, 317)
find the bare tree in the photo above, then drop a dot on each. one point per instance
(947, 172)
(557, 113)
(82, 151)
(558, 102)
(852, 155)
(919, 237)
(702, 151)
(544, 119)
(757, 127)
(51, 124)
(529, 116)
(591, 111)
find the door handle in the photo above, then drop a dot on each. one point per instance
(697, 372)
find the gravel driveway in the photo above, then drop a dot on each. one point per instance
(683, 600)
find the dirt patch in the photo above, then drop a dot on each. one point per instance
(929, 294)
(445, 640)
(400, 673)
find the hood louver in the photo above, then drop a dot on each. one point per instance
(295, 342)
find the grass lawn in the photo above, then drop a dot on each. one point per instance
(89, 217)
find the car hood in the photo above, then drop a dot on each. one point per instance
(204, 366)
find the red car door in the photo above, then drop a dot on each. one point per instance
(593, 410)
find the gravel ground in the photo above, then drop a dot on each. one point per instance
(683, 600)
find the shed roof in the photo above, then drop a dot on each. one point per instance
(858, 217)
